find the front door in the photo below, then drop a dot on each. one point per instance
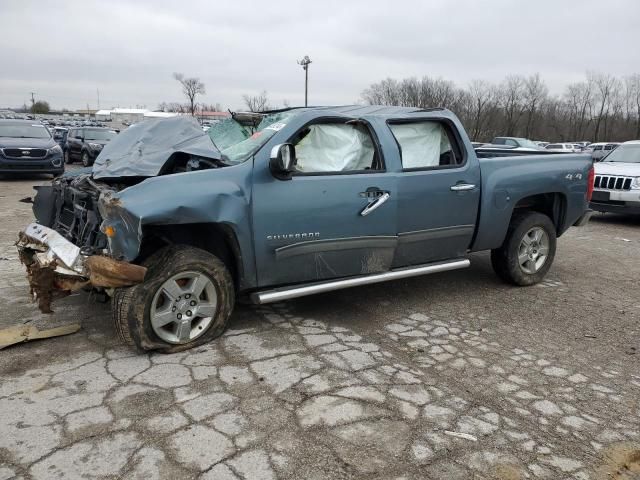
(439, 194)
(335, 217)
(75, 143)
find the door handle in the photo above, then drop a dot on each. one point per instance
(377, 203)
(462, 187)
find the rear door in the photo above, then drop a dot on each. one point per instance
(438, 192)
(335, 217)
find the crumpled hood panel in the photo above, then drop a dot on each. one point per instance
(143, 149)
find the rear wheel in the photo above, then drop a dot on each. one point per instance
(186, 300)
(528, 250)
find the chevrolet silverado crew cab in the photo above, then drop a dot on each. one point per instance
(176, 224)
(617, 180)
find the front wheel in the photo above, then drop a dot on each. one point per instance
(186, 300)
(528, 250)
(67, 157)
(86, 160)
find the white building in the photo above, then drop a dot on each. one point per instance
(131, 115)
(104, 115)
(128, 115)
(151, 115)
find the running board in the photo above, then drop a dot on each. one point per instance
(286, 293)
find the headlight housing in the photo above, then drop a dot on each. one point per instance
(96, 146)
(635, 183)
(54, 150)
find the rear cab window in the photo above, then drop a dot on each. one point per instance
(426, 145)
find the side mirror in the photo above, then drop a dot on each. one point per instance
(283, 161)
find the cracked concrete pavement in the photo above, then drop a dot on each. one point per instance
(450, 376)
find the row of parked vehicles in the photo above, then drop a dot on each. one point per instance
(28, 146)
(597, 150)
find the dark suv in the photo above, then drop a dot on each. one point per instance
(26, 146)
(86, 143)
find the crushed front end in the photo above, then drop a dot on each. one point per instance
(66, 250)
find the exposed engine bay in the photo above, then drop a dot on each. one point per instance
(89, 221)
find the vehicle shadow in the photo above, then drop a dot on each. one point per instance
(616, 219)
(21, 177)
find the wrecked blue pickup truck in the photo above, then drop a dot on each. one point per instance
(175, 224)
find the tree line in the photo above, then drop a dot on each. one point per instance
(601, 107)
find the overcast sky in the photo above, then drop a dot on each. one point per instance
(65, 51)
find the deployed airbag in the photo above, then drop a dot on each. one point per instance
(335, 148)
(143, 149)
(421, 143)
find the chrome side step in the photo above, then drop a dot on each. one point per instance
(286, 293)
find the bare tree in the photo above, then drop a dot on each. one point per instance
(601, 106)
(257, 103)
(212, 107)
(511, 94)
(632, 98)
(191, 87)
(482, 95)
(174, 107)
(605, 86)
(535, 91)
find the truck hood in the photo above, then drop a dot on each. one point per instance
(618, 168)
(143, 149)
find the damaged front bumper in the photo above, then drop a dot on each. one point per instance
(56, 267)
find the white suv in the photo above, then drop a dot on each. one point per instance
(600, 150)
(562, 148)
(617, 180)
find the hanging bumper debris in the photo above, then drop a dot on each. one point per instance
(56, 267)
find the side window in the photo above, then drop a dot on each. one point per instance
(426, 145)
(511, 143)
(608, 147)
(597, 147)
(335, 148)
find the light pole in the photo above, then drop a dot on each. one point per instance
(305, 66)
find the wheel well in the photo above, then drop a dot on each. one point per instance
(218, 239)
(553, 205)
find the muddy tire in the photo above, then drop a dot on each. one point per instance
(186, 300)
(528, 250)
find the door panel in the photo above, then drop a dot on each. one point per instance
(435, 222)
(310, 228)
(438, 197)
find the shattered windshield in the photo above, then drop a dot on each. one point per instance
(238, 142)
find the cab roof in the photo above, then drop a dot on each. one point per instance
(360, 110)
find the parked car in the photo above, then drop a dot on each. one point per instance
(85, 144)
(600, 150)
(28, 147)
(515, 142)
(60, 136)
(617, 180)
(563, 148)
(177, 223)
(541, 144)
